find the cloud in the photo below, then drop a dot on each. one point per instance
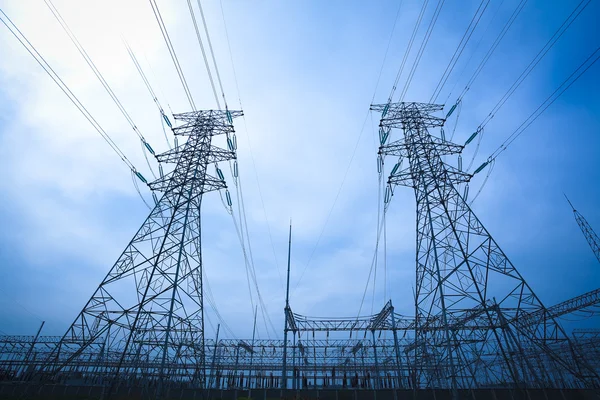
(306, 74)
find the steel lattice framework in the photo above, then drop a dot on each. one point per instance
(149, 307)
(591, 236)
(460, 267)
(477, 324)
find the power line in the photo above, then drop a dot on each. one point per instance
(100, 77)
(460, 48)
(163, 116)
(387, 48)
(65, 89)
(487, 28)
(212, 82)
(408, 49)
(334, 202)
(428, 33)
(250, 147)
(492, 49)
(536, 60)
(212, 52)
(566, 84)
(167, 39)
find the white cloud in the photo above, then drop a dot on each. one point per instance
(306, 81)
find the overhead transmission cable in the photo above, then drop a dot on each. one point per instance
(163, 115)
(212, 82)
(65, 89)
(357, 142)
(213, 304)
(387, 49)
(334, 203)
(492, 49)
(563, 87)
(242, 229)
(526, 72)
(250, 148)
(536, 60)
(167, 39)
(98, 74)
(460, 48)
(408, 49)
(432, 23)
(212, 52)
(566, 84)
(474, 52)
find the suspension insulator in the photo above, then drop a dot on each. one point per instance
(383, 135)
(443, 135)
(155, 198)
(228, 197)
(473, 136)
(229, 117)
(220, 174)
(451, 110)
(235, 169)
(160, 170)
(141, 177)
(167, 120)
(395, 169)
(379, 164)
(466, 192)
(460, 162)
(234, 140)
(150, 149)
(482, 166)
(388, 194)
(230, 144)
(385, 110)
(176, 142)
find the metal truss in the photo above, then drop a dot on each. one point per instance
(321, 362)
(145, 321)
(591, 236)
(477, 323)
(460, 270)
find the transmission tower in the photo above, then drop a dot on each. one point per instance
(591, 237)
(146, 319)
(463, 275)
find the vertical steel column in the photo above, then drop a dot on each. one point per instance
(286, 311)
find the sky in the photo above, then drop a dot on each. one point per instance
(304, 74)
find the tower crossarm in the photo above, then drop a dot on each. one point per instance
(290, 319)
(216, 122)
(410, 178)
(395, 115)
(216, 154)
(401, 148)
(591, 333)
(175, 183)
(580, 302)
(381, 319)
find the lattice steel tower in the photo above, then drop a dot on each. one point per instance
(146, 319)
(591, 236)
(477, 320)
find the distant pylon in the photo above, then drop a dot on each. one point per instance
(591, 237)
(146, 319)
(471, 325)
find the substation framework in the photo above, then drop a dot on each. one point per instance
(477, 323)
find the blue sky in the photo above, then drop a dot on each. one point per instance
(307, 72)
